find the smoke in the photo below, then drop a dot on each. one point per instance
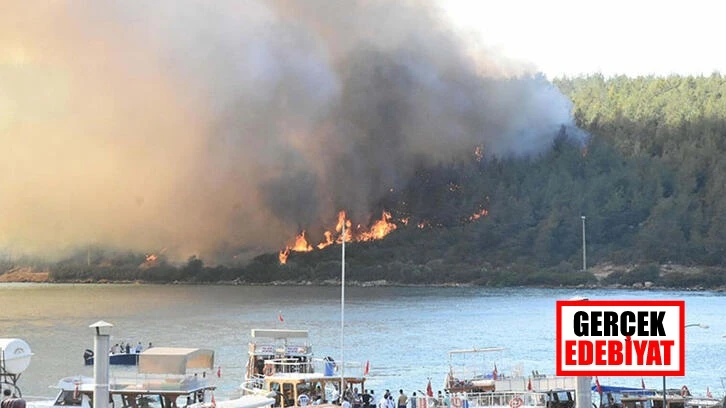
(193, 126)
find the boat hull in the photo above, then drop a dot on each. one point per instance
(118, 359)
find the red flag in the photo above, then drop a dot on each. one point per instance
(597, 385)
(642, 383)
(495, 373)
(279, 316)
(529, 385)
(429, 390)
(708, 393)
(367, 368)
(219, 371)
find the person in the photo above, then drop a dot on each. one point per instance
(139, 347)
(413, 400)
(391, 402)
(128, 348)
(402, 399)
(346, 403)
(366, 399)
(374, 400)
(150, 346)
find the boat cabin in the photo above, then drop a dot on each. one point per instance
(273, 350)
(299, 390)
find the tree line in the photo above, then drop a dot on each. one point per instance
(649, 179)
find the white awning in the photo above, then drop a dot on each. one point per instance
(279, 333)
(173, 360)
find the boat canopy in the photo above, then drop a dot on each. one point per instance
(279, 333)
(173, 360)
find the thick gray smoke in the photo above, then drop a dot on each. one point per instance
(193, 125)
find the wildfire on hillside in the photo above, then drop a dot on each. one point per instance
(379, 229)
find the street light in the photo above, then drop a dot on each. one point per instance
(700, 325)
(584, 252)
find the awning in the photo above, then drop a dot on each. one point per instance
(173, 360)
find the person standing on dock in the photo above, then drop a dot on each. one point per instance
(413, 400)
(402, 399)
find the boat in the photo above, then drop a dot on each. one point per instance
(624, 397)
(122, 358)
(281, 364)
(167, 377)
(474, 381)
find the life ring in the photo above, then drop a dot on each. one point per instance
(685, 392)
(269, 370)
(303, 400)
(456, 402)
(515, 402)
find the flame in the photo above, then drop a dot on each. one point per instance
(479, 153)
(479, 214)
(328, 240)
(379, 229)
(301, 245)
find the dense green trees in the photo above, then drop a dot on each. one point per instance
(650, 178)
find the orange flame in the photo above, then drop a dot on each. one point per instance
(479, 214)
(379, 229)
(301, 245)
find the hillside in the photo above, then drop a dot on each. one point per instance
(650, 181)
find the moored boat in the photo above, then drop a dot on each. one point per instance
(281, 364)
(166, 378)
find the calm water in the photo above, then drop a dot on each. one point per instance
(404, 332)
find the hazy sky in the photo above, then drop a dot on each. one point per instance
(570, 37)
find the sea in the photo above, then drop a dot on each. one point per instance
(404, 333)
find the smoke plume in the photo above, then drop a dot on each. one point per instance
(193, 125)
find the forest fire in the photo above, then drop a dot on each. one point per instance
(378, 230)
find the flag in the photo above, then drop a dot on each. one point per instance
(495, 373)
(708, 393)
(597, 385)
(367, 368)
(279, 316)
(219, 371)
(214, 402)
(642, 383)
(429, 390)
(529, 385)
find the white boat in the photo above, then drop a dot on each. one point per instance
(474, 381)
(167, 378)
(281, 364)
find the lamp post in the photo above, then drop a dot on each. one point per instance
(101, 343)
(584, 246)
(665, 400)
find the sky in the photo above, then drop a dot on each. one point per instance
(573, 37)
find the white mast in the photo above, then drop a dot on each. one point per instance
(342, 317)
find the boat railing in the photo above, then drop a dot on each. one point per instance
(538, 383)
(287, 365)
(486, 399)
(148, 383)
(331, 367)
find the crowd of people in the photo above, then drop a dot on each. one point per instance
(369, 399)
(120, 348)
